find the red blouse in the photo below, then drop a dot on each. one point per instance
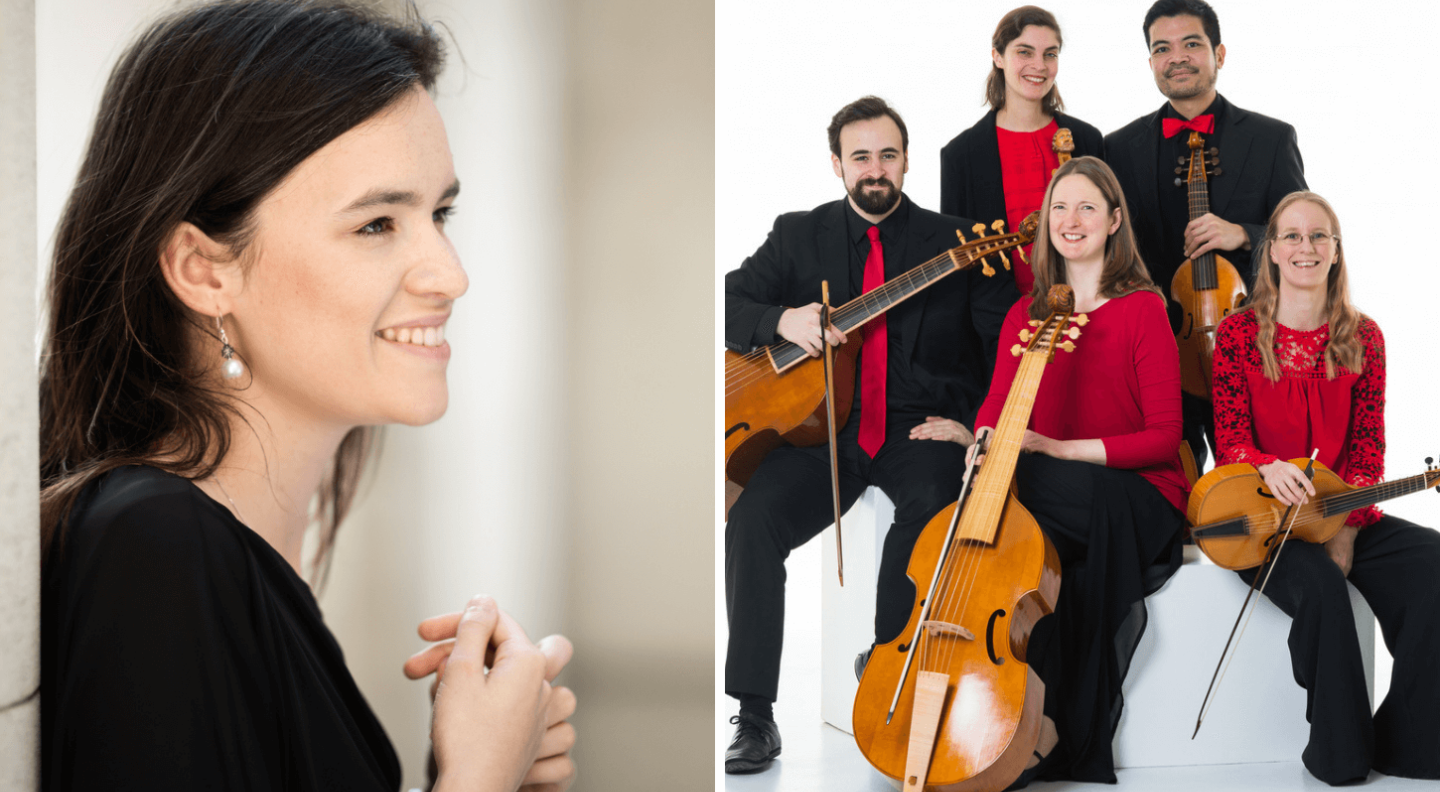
(1258, 421)
(1026, 161)
(1121, 385)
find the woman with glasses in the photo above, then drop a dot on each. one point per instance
(1301, 369)
(1000, 167)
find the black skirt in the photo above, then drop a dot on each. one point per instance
(1118, 540)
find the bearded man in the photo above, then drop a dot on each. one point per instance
(1259, 164)
(923, 371)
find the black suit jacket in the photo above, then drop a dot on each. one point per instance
(950, 329)
(970, 179)
(1260, 164)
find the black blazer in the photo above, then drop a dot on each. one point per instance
(1260, 164)
(970, 181)
(950, 329)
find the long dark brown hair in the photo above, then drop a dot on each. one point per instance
(1010, 27)
(1345, 347)
(203, 116)
(1124, 271)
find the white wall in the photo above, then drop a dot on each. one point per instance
(1339, 72)
(19, 466)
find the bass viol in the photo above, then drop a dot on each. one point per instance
(951, 704)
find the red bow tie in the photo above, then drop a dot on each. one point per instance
(1202, 123)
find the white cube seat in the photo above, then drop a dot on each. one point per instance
(1258, 714)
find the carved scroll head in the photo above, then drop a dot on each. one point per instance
(1060, 299)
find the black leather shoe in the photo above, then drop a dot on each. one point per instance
(756, 744)
(860, 661)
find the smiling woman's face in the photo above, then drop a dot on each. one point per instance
(351, 277)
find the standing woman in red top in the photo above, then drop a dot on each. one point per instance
(1301, 369)
(1000, 167)
(1102, 476)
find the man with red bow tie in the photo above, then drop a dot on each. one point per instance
(1259, 163)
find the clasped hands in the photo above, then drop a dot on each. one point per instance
(1288, 483)
(497, 725)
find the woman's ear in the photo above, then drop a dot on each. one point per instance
(200, 271)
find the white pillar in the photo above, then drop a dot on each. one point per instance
(19, 422)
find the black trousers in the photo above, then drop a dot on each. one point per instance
(788, 502)
(1117, 540)
(1397, 569)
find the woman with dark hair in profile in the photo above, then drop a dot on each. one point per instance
(1300, 370)
(251, 273)
(1000, 167)
(1102, 476)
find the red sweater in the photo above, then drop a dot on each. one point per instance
(1121, 385)
(1258, 421)
(1026, 161)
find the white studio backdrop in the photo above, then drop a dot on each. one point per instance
(1340, 73)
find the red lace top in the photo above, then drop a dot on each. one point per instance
(1026, 161)
(1121, 385)
(1258, 421)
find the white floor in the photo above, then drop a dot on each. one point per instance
(818, 757)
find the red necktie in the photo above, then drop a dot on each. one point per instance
(872, 356)
(1204, 124)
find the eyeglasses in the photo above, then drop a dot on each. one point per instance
(1317, 238)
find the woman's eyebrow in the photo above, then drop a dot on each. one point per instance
(381, 196)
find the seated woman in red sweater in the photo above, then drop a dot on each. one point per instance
(1301, 369)
(1103, 476)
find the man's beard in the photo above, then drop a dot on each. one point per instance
(1198, 86)
(875, 203)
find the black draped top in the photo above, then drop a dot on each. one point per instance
(181, 651)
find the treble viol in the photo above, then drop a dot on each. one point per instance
(950, 704)
(1208, 288)
(1237, 520)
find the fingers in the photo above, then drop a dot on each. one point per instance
(425, 662)
(801, 326)
(560, 707)
(554, 770)
(439, 628)
(937, 428)
(1201, 235)
(558, 739)
(558, 651)
(481, 622)
(1292, 488)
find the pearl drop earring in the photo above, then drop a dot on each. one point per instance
(232, 368)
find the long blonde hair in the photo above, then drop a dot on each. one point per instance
(1345, 347)
(1124, 271)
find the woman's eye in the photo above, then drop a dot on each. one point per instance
(443, 214)
(377, 226)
